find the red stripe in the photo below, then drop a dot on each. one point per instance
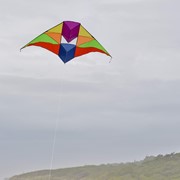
(81, 51)
(51, 47)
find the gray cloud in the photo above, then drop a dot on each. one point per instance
(107, 112)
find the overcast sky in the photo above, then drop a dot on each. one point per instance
(106, 112)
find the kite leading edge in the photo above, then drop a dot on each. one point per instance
(69, 30)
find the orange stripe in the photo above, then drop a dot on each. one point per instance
(55, 36)
(83, 39)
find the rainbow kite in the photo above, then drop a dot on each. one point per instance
(69, 30)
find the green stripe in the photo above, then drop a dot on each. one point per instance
(43, 38)
(93, 43)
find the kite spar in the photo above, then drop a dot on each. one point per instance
(69, 30)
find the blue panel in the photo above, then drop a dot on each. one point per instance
(66, 52)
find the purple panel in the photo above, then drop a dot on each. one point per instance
(70, 30)
(71, 24)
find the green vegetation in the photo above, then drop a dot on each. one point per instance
(151, 168)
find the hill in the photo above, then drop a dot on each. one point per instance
(161, 167)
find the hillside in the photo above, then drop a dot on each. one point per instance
(161, 167)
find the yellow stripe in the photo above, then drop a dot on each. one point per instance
(56, 29)
(84, 32)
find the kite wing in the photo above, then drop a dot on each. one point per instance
(69, 30)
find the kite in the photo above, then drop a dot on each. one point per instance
(60, 40)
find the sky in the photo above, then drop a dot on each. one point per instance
(103, 112)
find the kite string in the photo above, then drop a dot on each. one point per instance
(55, 136)
(53, 146)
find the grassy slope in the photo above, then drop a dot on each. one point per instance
(151, 168)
